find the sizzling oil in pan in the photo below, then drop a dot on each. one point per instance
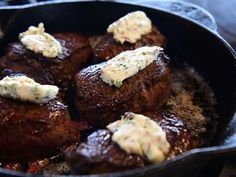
(191, 100)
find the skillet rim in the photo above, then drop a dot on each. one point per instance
(194, 153)
(214, 27)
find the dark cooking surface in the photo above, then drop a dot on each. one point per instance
(223, 11)
(215, 164)
(225, 24)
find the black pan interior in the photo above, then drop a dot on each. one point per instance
(187, 42)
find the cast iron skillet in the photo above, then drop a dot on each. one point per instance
(188, 42)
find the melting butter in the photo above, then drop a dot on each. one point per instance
(131, 27)
(26, 89)
(128, 63)
(37, 40)
(138, 134)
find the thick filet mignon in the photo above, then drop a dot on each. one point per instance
(31, 131)
(75, 55)
(99, 103)
(108, 47)
(99, 154)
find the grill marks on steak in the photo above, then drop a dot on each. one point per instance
(108, 47)
(99, 154)
(99, 103)
(60, 70)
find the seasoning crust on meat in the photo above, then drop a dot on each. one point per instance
(99, 154)
(99, 103)
(108, 47)
(97, 95)
(75, 55)
(31, 131)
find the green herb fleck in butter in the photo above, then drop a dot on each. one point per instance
(128, 63)
(37, 40)
(131, 27)
(26, 89)
(138, 134)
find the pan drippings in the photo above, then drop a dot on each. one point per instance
(192, 100)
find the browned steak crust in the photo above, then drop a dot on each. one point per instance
(99, 103)
(12, 68)
(177, 133)
(30, 131)
(75, 55)
(99, 154)
(108, 47)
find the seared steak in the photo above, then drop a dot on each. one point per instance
(30, 131)
(99, 103)
(40, 76)
(108, 47)
(99, 154)
(75, 55)
(177, 133)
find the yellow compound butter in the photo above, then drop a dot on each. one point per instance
(138, 134)
(37, 40)
(131, 27)
(128, 63)
(26, 89)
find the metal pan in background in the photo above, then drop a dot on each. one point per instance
(188, 42)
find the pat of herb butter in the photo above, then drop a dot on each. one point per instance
(37, 40)
(138, 134)
(26, 89)
(128, 63)
(131, 27)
